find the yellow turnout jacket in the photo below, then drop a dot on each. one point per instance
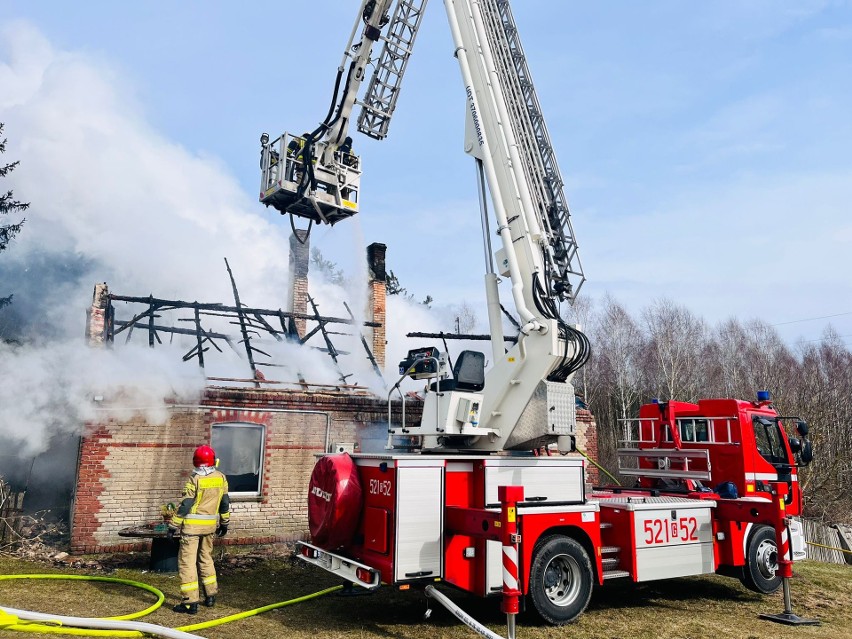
(205, 503)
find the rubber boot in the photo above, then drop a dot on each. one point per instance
(210, 601)
(187, 608)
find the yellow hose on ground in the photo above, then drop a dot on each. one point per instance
(256, 611)
(7, 620)
(28, 626)
(10, 622)
(810, 543)
(113, 580)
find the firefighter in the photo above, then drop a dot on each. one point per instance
(346, 155)
(293, 149)
(204, 511)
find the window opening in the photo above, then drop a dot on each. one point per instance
(239, 447)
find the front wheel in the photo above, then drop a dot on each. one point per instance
(561, 579)
(759, 572)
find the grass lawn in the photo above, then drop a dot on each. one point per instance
(697, 607)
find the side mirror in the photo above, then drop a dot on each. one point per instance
(795, 445)
(807, 453)
(802, 428)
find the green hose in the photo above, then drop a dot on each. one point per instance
(9, 622)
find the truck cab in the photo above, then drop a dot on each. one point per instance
(742, 444)
(727, 451)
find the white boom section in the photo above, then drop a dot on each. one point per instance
(517, 407)
(495, 145)
(360, 56)
(316, 175)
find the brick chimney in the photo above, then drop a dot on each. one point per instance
(300, 254)
(377, 286)
(96, 316)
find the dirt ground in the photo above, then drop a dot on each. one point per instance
(696, 607)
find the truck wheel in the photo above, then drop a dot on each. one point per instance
(561, 579)
(761, 562)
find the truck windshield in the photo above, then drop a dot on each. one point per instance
(767, 435)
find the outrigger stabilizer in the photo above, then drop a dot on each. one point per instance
(772, 513)
(785, 570)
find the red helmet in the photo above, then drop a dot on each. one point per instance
(204, 456)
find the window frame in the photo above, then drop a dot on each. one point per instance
(695, 430)
(765, 429)
(245, 495)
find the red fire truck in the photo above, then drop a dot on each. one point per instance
(459, 497)
(706, 501)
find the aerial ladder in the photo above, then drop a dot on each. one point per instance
(315, 175)
(439, 505)
(527, 399)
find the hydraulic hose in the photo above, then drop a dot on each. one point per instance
(21, 620)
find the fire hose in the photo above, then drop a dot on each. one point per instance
(460, 614)
(811, 543)
(123, 625)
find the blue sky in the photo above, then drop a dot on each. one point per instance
(705, 146)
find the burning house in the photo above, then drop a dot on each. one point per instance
(266, 432)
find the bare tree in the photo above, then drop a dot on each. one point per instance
(744, 358)
(466, 319)
(615, 374)
(620, 342)
(822, 392)
(672, 354)
(676, 342)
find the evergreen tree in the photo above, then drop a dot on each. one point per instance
(328, 268)
(393, 287)
(8, 204)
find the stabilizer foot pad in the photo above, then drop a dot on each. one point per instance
(790, 619)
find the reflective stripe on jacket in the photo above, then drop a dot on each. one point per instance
(205, 503)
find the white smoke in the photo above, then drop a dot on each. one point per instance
(115, 201)
(55, 388)
(128, 207)
(111, 200)
(147, 214)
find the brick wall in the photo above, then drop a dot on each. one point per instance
(377, 299)
(129, 468)
(378, 340)
(96, 315)
(587, 441)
